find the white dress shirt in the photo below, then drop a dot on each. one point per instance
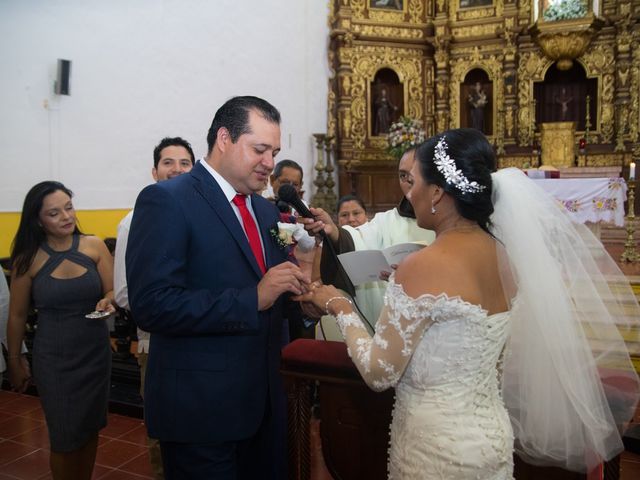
(230, 193)
(120, 291)
(4, 318)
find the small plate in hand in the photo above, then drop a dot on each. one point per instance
(97, 314)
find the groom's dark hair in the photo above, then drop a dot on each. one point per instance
(234, 116)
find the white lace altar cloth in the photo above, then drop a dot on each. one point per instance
(594, 200)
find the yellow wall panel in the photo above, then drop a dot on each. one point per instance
(102, 223)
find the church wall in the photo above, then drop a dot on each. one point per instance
(142, 70)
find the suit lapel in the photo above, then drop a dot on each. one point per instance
(208, 188)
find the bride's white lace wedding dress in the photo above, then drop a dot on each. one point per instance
(566, 380)
(441, 354)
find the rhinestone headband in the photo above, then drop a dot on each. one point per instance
(447, 167)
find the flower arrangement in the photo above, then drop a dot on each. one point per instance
(565, 10)
(404, 134)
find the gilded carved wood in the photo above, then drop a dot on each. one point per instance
(475, 13)
(365, 63)
(599, 62)
(531, 68)
(461, 66)
(433, 45)
(634, 87)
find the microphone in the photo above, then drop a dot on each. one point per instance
(287, 193)
(283, 206)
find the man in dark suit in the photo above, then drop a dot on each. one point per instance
(206, 277)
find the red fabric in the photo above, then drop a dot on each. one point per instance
(597, 473)
(287, 218)
(318, 357)
(250, 229)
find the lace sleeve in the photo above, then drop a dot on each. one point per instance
(383, 358)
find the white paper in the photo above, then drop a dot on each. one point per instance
(364, 266)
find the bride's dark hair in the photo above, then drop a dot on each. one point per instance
(474, 157)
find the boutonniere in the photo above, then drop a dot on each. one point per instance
(282, 235)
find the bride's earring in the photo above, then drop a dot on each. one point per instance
(433, 209)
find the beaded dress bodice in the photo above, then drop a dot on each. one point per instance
(441, 354)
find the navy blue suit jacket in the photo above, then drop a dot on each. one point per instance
(192, 281)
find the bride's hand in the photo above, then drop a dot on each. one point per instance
(318, 295)
(384, 275)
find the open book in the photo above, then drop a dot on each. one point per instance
(364, 266)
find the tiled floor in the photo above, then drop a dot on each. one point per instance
(122, 452)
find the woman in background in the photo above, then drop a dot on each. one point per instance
(68, 275)
(351, 211)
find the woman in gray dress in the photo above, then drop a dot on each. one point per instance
(68, 275)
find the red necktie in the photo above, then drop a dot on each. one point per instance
(250, 229)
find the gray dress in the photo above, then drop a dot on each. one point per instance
(71, 354)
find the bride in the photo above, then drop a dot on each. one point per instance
(503, 334)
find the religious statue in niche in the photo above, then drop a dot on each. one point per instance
(564, 99)
(477, 100)
(384, 111)
(475, 3)
(392, 4)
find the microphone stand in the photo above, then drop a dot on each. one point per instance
(345, 278)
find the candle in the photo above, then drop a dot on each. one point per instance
(632, 171)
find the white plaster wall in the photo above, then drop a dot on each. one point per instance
(141, 70)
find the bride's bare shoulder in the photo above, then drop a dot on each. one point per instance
(449, 267)
(421, 271)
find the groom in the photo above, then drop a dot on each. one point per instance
(206, 277)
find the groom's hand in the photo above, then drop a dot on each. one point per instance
(286, 277)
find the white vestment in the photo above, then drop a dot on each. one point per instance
(384, 230)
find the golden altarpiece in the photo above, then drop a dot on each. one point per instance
(429, 59)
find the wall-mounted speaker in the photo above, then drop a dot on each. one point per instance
(63, 77)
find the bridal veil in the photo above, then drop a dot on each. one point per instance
(567, 378)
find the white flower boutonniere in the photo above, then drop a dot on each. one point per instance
(282, 235)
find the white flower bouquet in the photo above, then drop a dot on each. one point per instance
(405, 134)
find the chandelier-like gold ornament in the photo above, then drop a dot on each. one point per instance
(565, 40)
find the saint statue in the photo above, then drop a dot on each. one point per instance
(384, 109)
(477, 101)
